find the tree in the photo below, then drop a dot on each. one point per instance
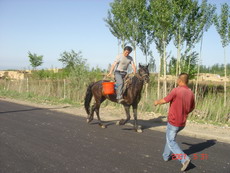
(161, 20)
(199, 20)
(75, 66)
(126, 21)
(198, 23)
(222, 23)
(146, 36)
(71, 60)
(35, 60)
(116, 21)
(136, 11)
(152, 65)
(215, 69)
(181, 9)
(188, 60)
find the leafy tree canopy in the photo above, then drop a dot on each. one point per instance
(35, 60)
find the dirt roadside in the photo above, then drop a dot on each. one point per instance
(152, 121)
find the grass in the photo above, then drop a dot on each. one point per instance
(210, 109)
(36, 98)
(209, 106)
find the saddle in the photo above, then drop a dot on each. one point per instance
(127, 82)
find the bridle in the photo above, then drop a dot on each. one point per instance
(142, 77)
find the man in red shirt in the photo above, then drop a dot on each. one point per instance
(182, 103)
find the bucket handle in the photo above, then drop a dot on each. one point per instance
(108, 78)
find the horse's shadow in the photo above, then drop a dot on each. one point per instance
(144, 124)
(147, 124)
(106, 123)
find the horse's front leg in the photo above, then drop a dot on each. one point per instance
(127, 112)
(97, 108)
(135, 125)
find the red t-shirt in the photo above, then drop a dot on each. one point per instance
(181, 104)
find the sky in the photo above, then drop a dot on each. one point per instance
(50, 27)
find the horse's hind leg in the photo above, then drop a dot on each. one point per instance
(91, 115)
(127, 111)
(97, 108)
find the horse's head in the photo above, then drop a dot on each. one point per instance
(144, 72)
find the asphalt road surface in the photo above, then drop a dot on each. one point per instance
(41, 140)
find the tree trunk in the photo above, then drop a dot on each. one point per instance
(158, 80)
(118, 44)
(189, 64)
(198, 68)
(135, 54)
(178, 68)
(165, 79)
(146, 55)
(123, 44)
(225, 76)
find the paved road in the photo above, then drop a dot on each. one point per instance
(41, 140)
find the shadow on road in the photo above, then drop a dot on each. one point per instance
(106, 123)
(31, 109)
(194, 148)
(145, 124)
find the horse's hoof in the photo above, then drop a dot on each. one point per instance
(102, 126)
(121, 122)
(88, 120)
(139, 130)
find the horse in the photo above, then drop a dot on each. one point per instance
(131, 96)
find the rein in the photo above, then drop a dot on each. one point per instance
(141, 77)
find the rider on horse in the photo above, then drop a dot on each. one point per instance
(121, 65)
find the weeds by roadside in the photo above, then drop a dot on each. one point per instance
(209, 106)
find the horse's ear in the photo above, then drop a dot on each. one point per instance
(147, 66)
(140, 65)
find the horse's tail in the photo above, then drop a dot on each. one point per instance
(88, 97)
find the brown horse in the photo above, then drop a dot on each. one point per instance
(131, 96)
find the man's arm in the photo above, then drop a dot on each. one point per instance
(134, 68)
(112, 68)
(159, 102)
(193, 105)
(167, 99)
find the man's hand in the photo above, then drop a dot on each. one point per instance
(159, 102)
(155, 103)
(109, 75)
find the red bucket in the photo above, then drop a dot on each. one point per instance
(108, 87)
